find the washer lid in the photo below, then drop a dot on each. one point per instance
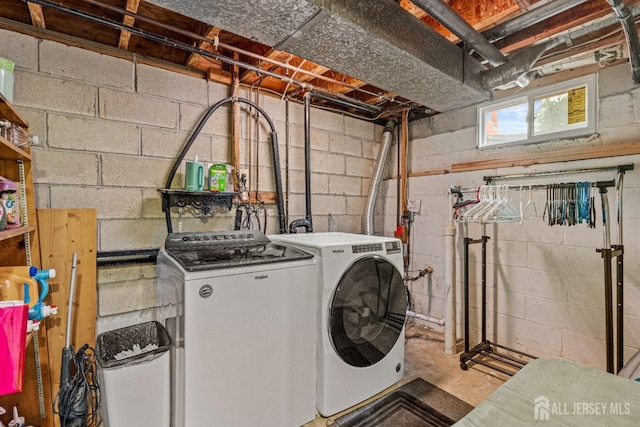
(217, 250)
(367, 312)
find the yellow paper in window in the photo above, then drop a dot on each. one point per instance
(577, 105)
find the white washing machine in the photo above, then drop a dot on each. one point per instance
(242, 314)
(362, 307)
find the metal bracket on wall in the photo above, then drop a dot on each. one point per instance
(200, 203)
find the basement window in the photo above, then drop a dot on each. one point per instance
(562, 110)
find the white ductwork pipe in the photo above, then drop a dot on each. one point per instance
(426, 318)
(387, 138)
(450, 281)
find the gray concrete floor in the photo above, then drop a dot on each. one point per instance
(425, 358)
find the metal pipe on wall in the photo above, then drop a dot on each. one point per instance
(307, 222)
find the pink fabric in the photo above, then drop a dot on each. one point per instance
(13, 335)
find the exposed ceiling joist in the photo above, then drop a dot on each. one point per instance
(211, 33)
(368, 52)
(125, 36)
(37, 17)
(575, 17)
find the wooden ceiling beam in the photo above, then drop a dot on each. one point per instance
(211, 33)
(306, 74)
(413, 9)
(338, 88)
(480, 15)
(524, 5)
(37, 17)
(579, 15)
(125, 36)
(250, 77)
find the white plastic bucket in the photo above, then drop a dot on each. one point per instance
(6, 78)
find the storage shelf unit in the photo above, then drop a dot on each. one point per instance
(20, 246)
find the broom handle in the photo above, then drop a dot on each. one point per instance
(72, 290)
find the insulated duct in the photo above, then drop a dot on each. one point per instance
(378, 42)
(387, 138)
(441, 12)
(529, 18)
(631, 33)
(517, 70)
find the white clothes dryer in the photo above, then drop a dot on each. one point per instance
(362, 308)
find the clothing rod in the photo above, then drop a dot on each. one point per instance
(518, 187)
(622, 168)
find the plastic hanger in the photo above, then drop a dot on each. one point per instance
(530, 204)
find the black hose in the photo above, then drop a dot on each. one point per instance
(274, 152)
(307, 222)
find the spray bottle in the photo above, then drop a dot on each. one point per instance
(34, 286)
(41, 310)
(13, 280)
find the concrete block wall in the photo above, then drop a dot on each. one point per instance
(111, 128)
(545, 283)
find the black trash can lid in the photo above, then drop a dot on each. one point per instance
(132, 344)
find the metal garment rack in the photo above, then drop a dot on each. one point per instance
(509, 364)
(485, 349)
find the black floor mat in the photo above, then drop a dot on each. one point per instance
(415, 404)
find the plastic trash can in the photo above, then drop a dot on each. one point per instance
(134, 372)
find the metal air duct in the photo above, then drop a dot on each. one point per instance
(631, 33)
(529, 18)
(375, 41)
(387, 138)
(441, 12)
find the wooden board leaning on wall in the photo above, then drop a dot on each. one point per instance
(556, 156)
(64, 232)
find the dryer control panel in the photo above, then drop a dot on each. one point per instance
(391, 247)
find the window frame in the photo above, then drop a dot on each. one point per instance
(589, 81)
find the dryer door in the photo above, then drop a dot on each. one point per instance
(367, 311)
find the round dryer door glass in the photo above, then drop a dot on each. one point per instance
(367, 312)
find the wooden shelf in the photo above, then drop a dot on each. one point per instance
(8, 151)
(13, 232)
(8, 112)
(16, 249)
